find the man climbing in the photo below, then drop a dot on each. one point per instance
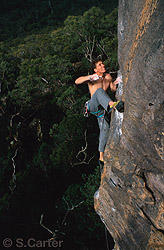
(100, 103)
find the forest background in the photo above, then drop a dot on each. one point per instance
(48, 156)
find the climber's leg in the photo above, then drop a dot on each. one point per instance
(103, 136)
(100, 97)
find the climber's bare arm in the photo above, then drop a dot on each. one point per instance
(114, 84)
(108, 82)
(82, 79)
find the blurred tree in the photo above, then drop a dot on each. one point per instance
(44, 136)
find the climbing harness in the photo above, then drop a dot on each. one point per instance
(87, 111)
(119, 105)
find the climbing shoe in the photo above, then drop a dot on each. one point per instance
(101, 165)
(118, 105)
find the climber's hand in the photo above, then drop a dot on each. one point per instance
(117, 81)
(94, 77)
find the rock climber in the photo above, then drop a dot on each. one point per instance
(100, 103)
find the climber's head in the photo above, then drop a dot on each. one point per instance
(98, 67)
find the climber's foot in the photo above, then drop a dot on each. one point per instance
(101, 165)
(119, 105)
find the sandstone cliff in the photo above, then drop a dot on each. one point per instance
(130, 200)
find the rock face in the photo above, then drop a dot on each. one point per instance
(130, 200)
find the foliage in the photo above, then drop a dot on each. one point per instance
(42, 126)
(17, 18)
